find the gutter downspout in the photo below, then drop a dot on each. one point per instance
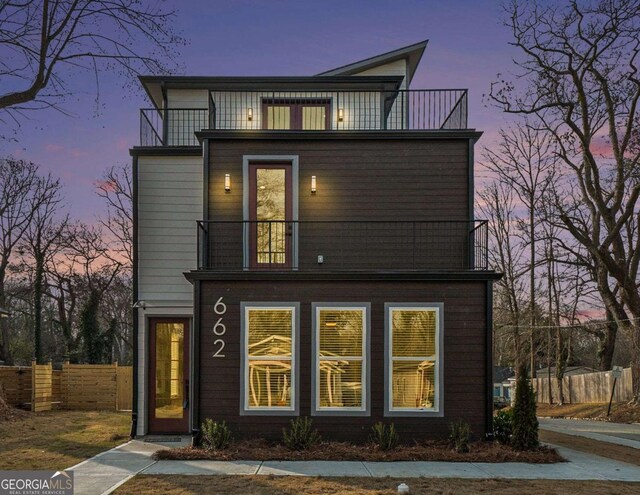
(134, 403)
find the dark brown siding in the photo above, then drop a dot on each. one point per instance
(357, 179)
(410, 181)
(463, 367)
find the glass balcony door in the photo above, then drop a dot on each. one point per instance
(311, 114)
(270, 215)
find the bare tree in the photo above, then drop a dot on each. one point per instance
(523, 161)
(19, 201)
(580, 82)
(44, 42)
(116, 189)
(506, 255)
(41, 240)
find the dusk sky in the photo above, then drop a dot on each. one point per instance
(468, 47)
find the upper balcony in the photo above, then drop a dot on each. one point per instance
(336, 246)
(312, 111)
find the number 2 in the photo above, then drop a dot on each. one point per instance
(221, 343)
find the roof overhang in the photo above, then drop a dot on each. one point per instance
(411, 53)
(156, 86)
(4, 313)
(221, 134)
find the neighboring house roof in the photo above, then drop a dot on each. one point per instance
(4, 312)
(569, 371)
(411, 53)
(502, 373)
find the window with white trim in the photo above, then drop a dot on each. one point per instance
(269, 334)
(413, 340)
(340, 358)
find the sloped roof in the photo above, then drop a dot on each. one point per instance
(412, 53)
(502, 373)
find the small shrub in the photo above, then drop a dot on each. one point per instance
(460, 433)
(215, 436)
(385, 437)
(301, 435)
(525, 424)
(503, 426)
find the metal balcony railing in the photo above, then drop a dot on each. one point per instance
(342, 245)
(431, 109)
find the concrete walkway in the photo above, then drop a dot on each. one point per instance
(105, 472)
(602, 431)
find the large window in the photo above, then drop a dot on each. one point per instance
(413, 347)
(269, 357)
(340, 348)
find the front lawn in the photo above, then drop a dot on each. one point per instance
(295, 485)
(620, 412)
(59, 439)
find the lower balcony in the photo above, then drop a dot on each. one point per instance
(343, 245)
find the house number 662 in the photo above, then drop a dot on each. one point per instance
(219, 329)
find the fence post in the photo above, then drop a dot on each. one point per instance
(64, 383)
(115, 396)
(33, 385)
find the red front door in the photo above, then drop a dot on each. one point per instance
(270, 215)
(169, 375)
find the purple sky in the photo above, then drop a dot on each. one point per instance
(467, 48)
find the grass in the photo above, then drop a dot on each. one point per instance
(290, 485)
(59, 439)
(620, 412)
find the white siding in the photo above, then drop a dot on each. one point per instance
(361, 108)
(187, 98)
(169, 203)
(396, 68)
(193, 115)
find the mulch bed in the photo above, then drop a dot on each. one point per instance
(261, 450)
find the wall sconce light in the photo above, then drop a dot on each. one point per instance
(250, 114)
(313, 184)
(227, 182)
(340, 114)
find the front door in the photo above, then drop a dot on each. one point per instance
(270, 215)
(169, 375)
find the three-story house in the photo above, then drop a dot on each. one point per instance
(307, 246)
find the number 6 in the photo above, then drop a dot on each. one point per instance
(220, 308)
(219, 325)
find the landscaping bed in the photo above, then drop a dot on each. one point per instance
(261, 450)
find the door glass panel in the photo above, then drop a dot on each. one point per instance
(169, 370)
(278, 117)
(314, 118)
(271, 215)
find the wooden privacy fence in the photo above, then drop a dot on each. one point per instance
(589, 387)
(76, 386)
